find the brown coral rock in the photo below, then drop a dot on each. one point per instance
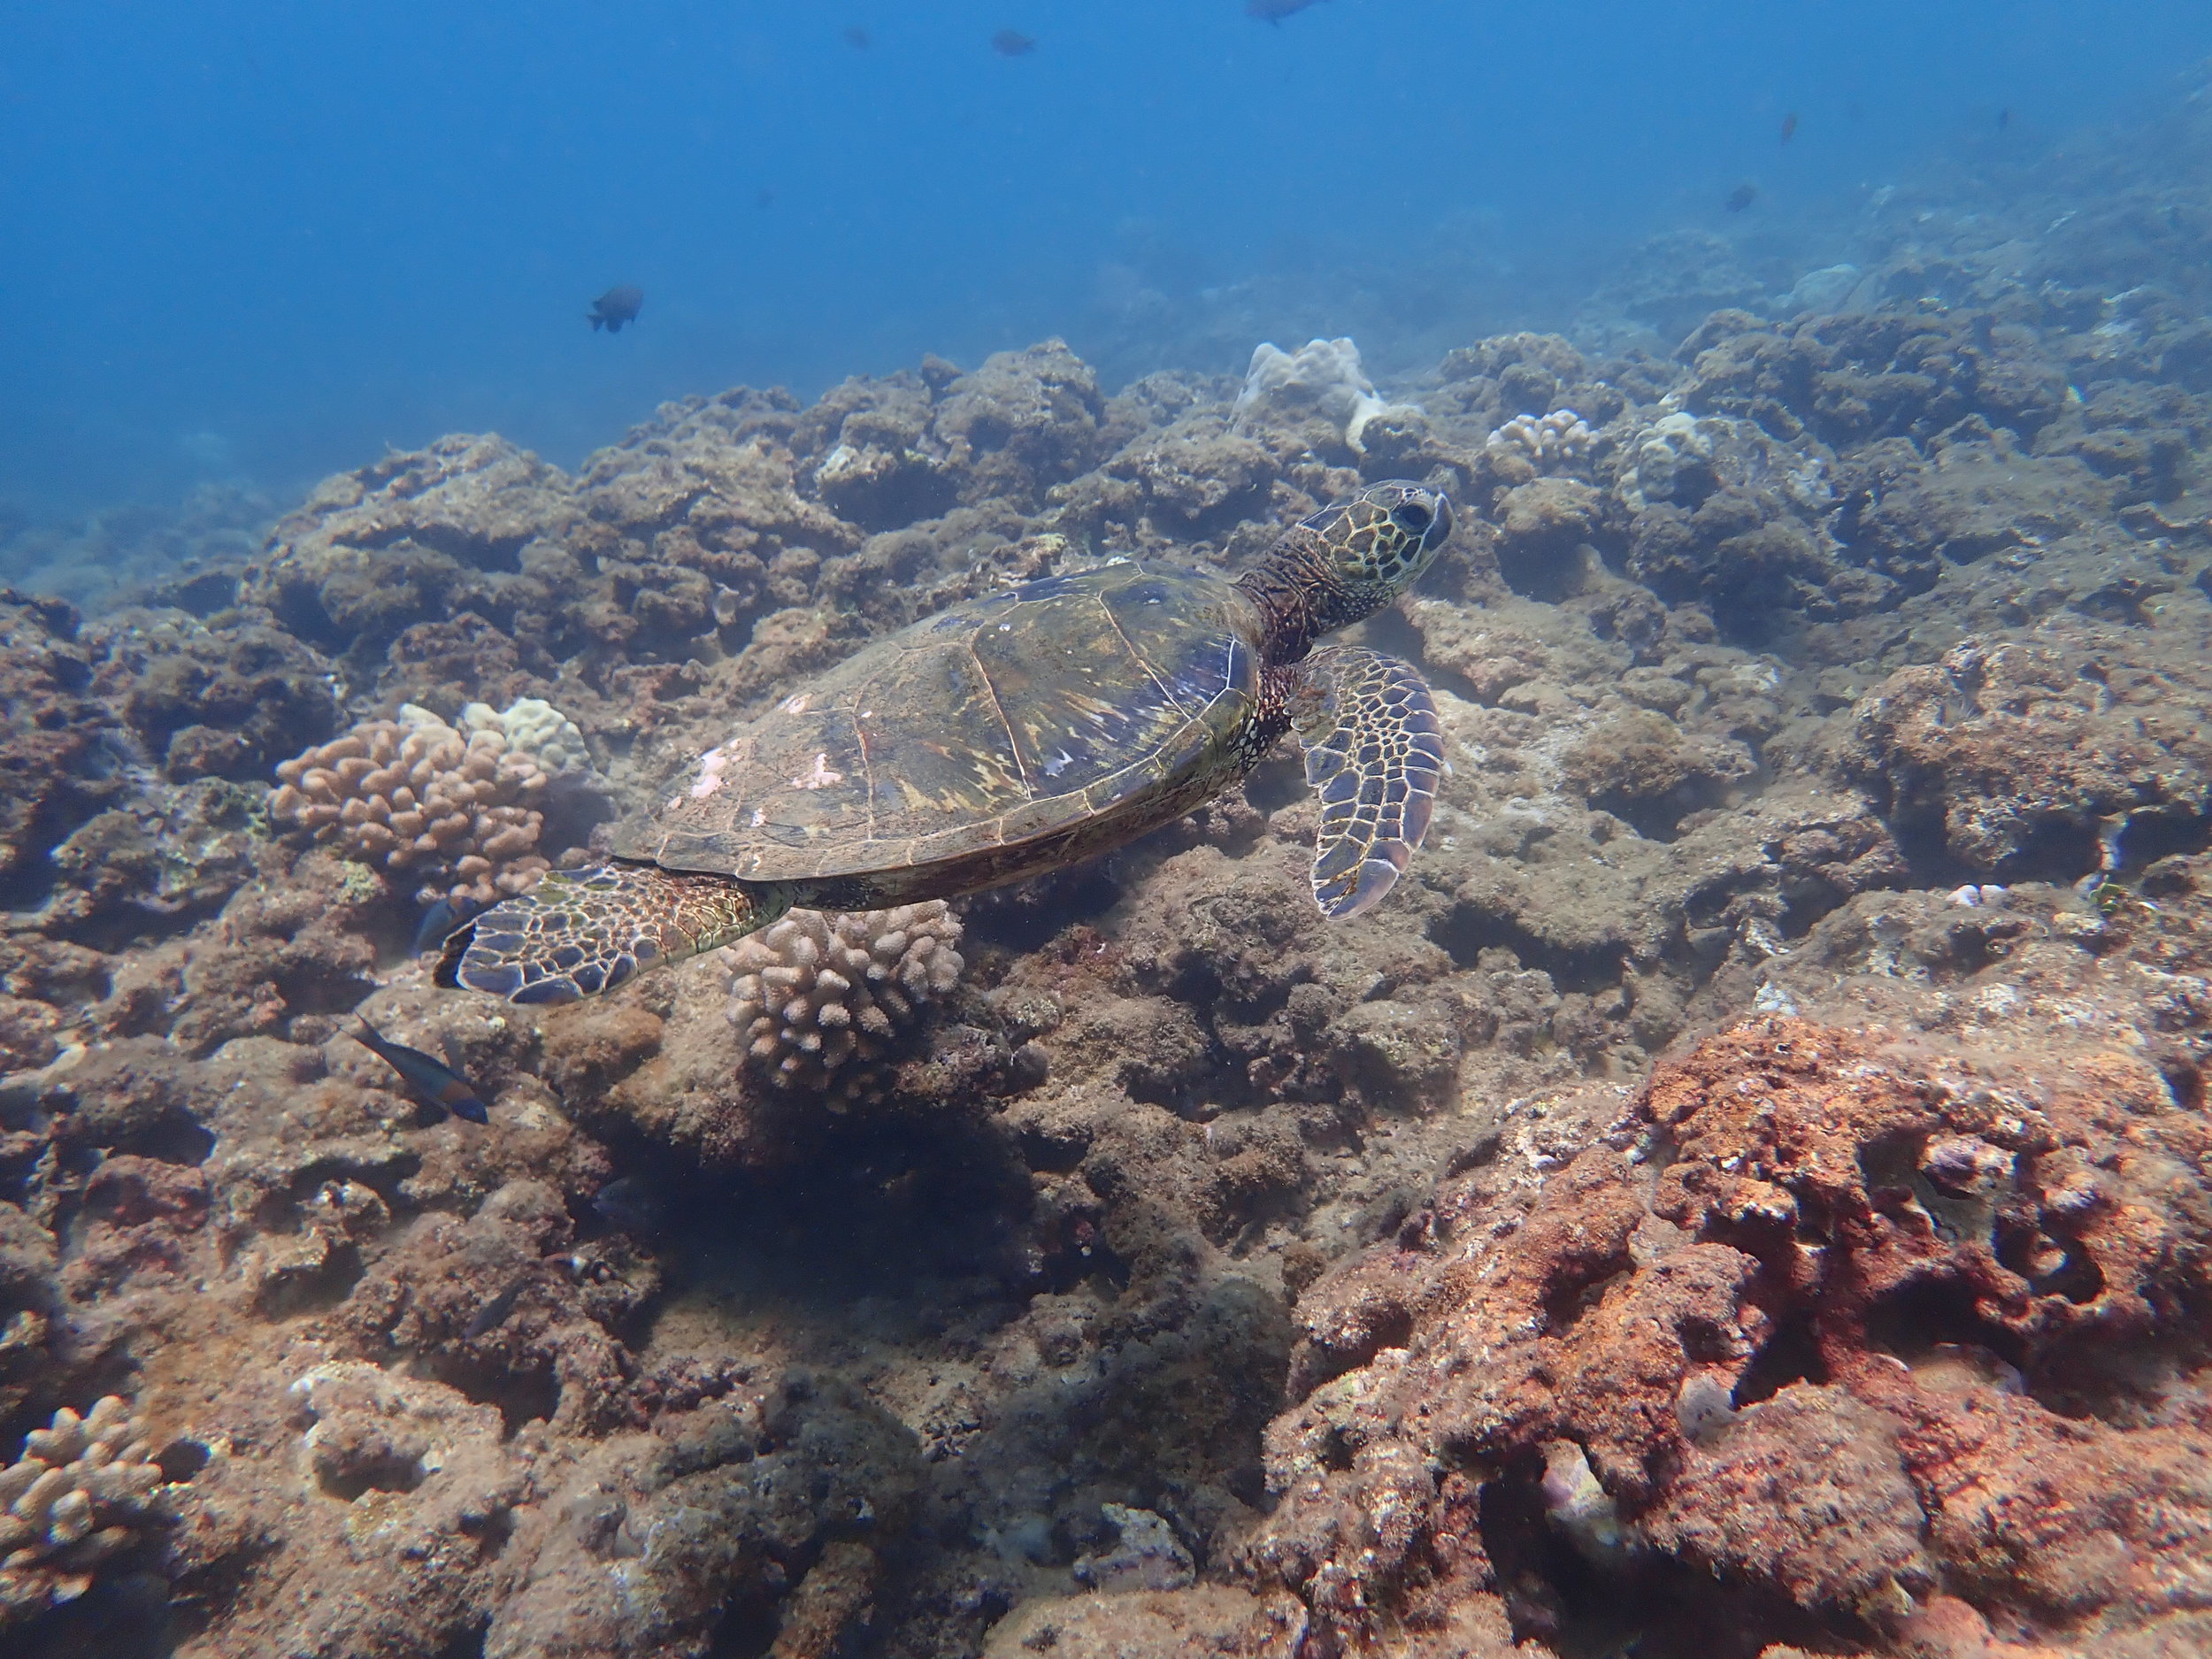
(47, 741)
(698, 522)
(226, 698)
(1889, 1259)
(1808, 1491)
(2003, 741)
(1640, 765)
(429, 532)
(1209, 1621)
(1023, 422)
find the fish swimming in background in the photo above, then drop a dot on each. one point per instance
(1741, 197)
(2004, 120)
(439, 920)
(1275, 10)
(1789, 126)
(614, 308)
(1012, 43)
(857, 37)
(493, 1313)
(631, 1205)
(431, 1082)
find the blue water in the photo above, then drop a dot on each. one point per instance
(258, 239)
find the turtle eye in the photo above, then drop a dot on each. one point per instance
(1412, 517)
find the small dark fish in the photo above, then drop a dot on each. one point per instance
(765, 196)
(1012, 43)
(2004, 120)
(857, 37)
(614, 308)
(493, 1313)
(431, 1082)
(1789, 126)
(1274, 11)
(632, 1204)
(439, 921)
(1741, 197)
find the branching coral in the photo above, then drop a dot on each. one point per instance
(1559, 439)
(820, 998)
(462, 809)
(81, 1492)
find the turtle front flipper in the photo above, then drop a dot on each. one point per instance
(1373, 754)
(582, 931)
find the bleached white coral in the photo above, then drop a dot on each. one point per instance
(820, 997)
(534, 727)
(1322, 376)
(1682, 457)
(1827, 290)
(1672, 448)
(462, 811)
(83, 1491)
(1558, 439)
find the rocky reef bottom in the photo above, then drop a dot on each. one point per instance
(1194, 1277)
(1746, 1194)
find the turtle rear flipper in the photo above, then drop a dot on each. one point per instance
(582, 931)
(1373, 754)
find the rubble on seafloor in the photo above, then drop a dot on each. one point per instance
(1747, 1192)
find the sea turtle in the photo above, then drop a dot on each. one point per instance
(1015, 735)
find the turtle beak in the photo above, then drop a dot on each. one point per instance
(1441, 526)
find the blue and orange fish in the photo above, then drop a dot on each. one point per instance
(430, 1081)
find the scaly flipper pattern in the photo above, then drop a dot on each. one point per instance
(581, 932)
(1373, 754)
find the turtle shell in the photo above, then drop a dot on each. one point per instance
(1109, 697)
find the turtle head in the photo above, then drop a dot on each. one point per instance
(1377, 542)
(1345, 563)
(1387, 533)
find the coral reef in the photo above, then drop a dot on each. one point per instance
(222, 698)
(83, 1492)
(818, 999)
(1213, 1619)
(469, 524)
(188, 553)
(460, 811)
(647, 1549)
(1746, 1194)
(1896, 1266)
(56, 764)
(2007, 753)
(1146, 1556)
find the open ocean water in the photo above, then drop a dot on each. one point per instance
(256, 242)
